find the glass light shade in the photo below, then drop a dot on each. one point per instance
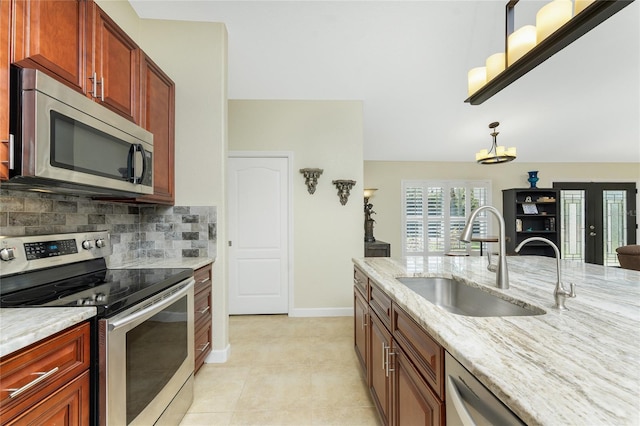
(552, 16)
(477, 78)
(368, 192)
(495, 65)
(520, 42)
(511, 152)
(581, 5)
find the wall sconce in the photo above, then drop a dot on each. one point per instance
(556, 27)
(344, 189)
(368, 211)
(311, 178)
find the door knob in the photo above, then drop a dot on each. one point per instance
(592, 234)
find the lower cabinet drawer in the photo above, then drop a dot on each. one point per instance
(381, 303)
(202, 307)
(32, 374)
(424, 352)
(203, 340)
(68, 406)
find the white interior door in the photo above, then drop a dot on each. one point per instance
(258, 201)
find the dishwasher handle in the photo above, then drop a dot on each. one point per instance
(458, 403)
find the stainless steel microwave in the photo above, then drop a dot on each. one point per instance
(62, 141)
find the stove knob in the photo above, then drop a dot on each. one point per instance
(87, 245)
(7, 254)
(100, 243)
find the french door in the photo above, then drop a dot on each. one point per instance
(596, 218)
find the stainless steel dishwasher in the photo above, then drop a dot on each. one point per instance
(469, 402)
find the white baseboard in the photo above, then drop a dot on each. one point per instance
(219, 356)
(322, 312)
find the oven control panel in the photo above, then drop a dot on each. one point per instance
(21, 254)
(41, 249)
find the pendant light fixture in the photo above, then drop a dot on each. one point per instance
(558, 24)
(496, 154)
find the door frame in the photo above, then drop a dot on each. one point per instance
(288, 155)
(595, 210)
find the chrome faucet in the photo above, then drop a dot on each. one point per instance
(502, 274)
(560, 293)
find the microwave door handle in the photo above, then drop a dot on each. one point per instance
(131, 164)
(144, 163)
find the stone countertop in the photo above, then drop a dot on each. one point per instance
(178, 262)
(20, 327)
(580, 366)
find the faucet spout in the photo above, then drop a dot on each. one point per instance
(502, 273)
(560, 293)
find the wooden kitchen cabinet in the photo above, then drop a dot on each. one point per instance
(52, 36)
(403, 364)
(114, 64)
(361, 320)
(61, 394)
(5, 45)
(361, 327)
(157, 115)
(379, 367)
(414, 401)
(203, 315)
(75, 42)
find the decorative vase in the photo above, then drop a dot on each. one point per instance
(533, 178)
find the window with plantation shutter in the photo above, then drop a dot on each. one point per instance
(435, 212)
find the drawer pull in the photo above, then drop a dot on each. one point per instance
(204, 347)
(205, 310)
(43, 376)
(204, 281)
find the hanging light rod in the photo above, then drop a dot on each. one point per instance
(584, 21)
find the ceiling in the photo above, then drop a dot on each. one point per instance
(408, 61)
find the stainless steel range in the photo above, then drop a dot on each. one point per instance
(142, 337)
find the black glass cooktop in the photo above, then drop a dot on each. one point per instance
(109, 290)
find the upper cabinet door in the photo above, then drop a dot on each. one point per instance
(114, 65)
(5, 28)
(157, 116)
(50, 35)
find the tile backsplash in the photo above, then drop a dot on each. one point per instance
(137, 231)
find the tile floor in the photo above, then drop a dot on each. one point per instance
(284, 371)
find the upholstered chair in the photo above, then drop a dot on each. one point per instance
(629, 257)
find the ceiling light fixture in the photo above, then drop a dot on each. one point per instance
(557, 26)
(496, 154)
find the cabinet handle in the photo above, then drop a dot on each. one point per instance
(364, 321)
(11, 151)
(94, 81)
(102, 89)
(43, 376)
(384, 356)
(204, 347)
(389, 364)
(205, 280)
(205, 310)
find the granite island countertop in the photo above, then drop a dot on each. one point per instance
(579, 367)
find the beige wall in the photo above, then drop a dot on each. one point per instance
(387, 176)
(194, 55)
(326, 234)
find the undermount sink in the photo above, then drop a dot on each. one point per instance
(462, 299)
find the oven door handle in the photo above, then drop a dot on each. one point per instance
(159, 305)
